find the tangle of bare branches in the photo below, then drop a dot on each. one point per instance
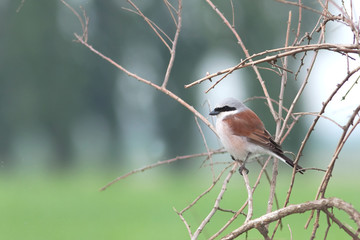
(285, 116)
(321, 204)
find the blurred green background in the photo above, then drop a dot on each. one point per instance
(70, 122)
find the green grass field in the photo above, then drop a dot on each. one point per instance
(70, 206)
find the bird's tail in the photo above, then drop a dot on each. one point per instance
(288, 161)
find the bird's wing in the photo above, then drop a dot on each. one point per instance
(248, 124)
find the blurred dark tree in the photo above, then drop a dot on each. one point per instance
(50, 81)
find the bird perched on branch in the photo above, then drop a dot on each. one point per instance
(243, 134)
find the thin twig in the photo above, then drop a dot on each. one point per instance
(340, 224)
(289, 128)
(246, 52)
(250, 198)
(152, 22)
(299, 23)
(272, 186)
(316, 224)
(197, 199)
(232, 219)
(323, 185)
(206, 147)
(325, 104)
(328, 226)
(301, 6)
(300, 91)
(143, 80)
(217, 202)
(171, 9)
(319, 115)
(207, 190)
(344, 137)
(226, 210)
(84, 25)
(184, 221)
(173, 47)
(147, 20)
(278, 122)
(155, 165)
(291, 235)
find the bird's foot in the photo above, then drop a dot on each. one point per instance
(243, 168)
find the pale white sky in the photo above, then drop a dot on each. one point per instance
(331, 71)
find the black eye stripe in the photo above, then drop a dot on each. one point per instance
(225, 109)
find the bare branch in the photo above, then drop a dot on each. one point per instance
(185, 222)
(217, 202)
(294, 209)
(344, 137)
(341, 225)
(174, 44)
(288, 51)
(158, 164)
(250, 196)
(150, 23)
(299, 93)
(198, 198)
(300, 5)
(278, 120)
(143, 80)
(299, 24)
(346, 133)
(84, 25)
(242, 45)
(231, 220)
(206, 147)
(319, 115)
(285, 116)
(207, 190)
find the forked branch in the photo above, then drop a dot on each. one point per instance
(321, 204)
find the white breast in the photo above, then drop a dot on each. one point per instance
(237, 146)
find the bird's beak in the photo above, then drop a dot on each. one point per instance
(214, 113)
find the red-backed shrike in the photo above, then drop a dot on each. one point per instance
(243, 133)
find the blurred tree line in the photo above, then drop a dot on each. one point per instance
(60, 103)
